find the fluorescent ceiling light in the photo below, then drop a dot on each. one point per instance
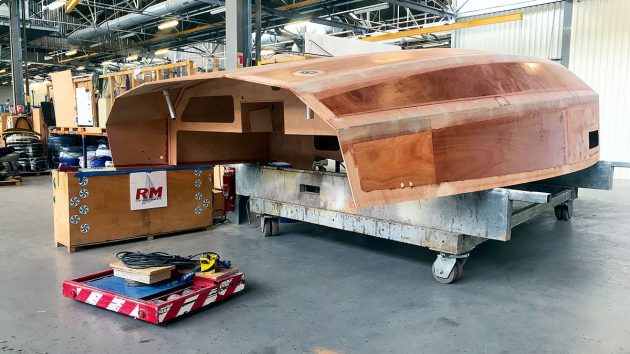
(80, 68)
(168, 24)
(3, 71)
(375, 7)
(132, 57)
(162, 51)
(70, 53)
(217, 10)
(55, 5)
(96, 45)
(127, 35)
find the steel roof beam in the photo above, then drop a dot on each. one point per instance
(321, 21)
(421, 7)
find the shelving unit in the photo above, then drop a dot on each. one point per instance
(83, 132)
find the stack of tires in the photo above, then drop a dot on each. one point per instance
(9, 165)
(30, 151)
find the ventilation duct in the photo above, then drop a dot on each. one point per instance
(134, 19)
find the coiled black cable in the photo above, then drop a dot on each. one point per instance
(139, 260)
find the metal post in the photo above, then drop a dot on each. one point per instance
(84, 145)
(16, 53)
(258, 30)
(237, 32)
(27, 90)
(567, 22)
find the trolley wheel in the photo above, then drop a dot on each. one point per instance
(563, 212)
(460, 269)
(275, 227)
(455, 273)
(266, 227)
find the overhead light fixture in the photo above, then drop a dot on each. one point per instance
(80, 68)
(132, 57)
(370, 8)
(55, 5)
(162, 51)
(127, 35)
(217, 10)
(70, 53)
(48, 57)
(96, 45)
(168, 24)
(3, 71)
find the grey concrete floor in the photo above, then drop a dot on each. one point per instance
(556, 287)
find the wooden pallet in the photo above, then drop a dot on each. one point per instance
(11, 181)
(34, 173)
(74, 248)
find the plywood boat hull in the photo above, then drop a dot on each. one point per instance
(408, 125)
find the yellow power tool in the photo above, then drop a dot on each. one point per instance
(209, 262)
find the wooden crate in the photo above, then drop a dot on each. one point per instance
(97, 209)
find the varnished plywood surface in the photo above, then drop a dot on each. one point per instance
(411, 125)
(500, 147)
(396, 162)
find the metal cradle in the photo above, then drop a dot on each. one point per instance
(452, 225)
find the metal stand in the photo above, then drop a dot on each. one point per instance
(452, 226)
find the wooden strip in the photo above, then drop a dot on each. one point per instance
(444, 28)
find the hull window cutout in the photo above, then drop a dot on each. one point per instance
(307, 188)
(326, 143)
(209, 109)
(593, 139)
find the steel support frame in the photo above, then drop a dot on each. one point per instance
(422, 7)
(452, 225)
(567, 23)
(237, 32)
(17, 73)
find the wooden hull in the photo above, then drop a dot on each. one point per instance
(407, 125)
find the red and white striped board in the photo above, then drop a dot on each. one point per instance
(202, 292)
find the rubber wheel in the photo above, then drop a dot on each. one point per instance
(267, 228)
(460, 269)
(562, 212)
(275, 227)
(452, 276)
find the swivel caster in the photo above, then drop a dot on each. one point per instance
(270, 226)
(448, 268)
(564, 211)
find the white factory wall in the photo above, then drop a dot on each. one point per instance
(600, 52)
(600, 55)
(538, 34)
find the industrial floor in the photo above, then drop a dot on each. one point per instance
(555, 287)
